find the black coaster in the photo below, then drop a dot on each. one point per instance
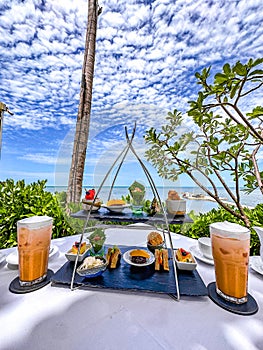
(15, 287)
(246, 309)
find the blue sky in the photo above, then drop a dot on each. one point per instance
(146, 55)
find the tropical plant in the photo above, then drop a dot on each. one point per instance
(201, 222)
(19, 201)
(225, 140)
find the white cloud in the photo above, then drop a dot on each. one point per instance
(146, 54)
(114, 19)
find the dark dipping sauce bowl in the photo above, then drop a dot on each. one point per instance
(153, 247)
(138, 259)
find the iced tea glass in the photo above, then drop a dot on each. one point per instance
(33, 236)
(230, 247)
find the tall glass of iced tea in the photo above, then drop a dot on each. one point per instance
(230, 247)
(34, 236)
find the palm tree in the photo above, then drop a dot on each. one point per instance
(83, 120)
(3, 108)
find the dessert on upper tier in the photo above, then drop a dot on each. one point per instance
(174, 204)
(173, 195)
(88, 201)
(113, 202)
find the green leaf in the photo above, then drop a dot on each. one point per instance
(256, 62)
(221, 144)
(227, 69)
(256, 72)
(257, 112)
(220, 78)
(240, 69)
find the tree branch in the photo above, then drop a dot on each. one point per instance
(249, 91)
(219, 201)
(253, 131)
(255, 163)
(239, 90)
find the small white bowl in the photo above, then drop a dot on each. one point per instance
(72, 257)
(205, 247)
(176, 207)
(93, 271)
(187, 266)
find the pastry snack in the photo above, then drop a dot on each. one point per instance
(154, 238)
(184, 256)
(139, 256)
(174, 204)
(97, 202)
(161, 259)
(115, 202)
(173, 195)
(112, 256)
(89, 202)
(75, 247)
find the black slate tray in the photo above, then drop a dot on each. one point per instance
(127, 216)
(131, 278)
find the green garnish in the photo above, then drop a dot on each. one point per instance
(97, 239)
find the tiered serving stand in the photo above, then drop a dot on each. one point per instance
(127, 277)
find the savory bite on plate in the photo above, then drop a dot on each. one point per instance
(154, 241)
(138, 257)
(161, 259)
(112, 256)
(154, 238)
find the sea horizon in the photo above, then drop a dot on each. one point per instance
(198, 206)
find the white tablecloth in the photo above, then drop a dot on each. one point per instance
(58, 318)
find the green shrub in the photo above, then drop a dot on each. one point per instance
(200, 226)
(19, 201)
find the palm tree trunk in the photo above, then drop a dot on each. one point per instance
(83, 121)
(3, 108)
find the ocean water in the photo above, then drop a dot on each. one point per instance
(198, 206)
